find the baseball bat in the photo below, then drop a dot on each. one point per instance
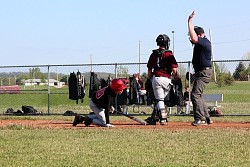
(141, 121)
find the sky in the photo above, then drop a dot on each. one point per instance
(58, 32)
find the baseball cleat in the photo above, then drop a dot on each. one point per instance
(87, 121)
(199, 123)
(78, 119)
(150, 121)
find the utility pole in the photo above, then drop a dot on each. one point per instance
(90, 63)
(173, 42)
(139, 57)
(212, 56)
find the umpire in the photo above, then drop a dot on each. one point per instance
(202, 66)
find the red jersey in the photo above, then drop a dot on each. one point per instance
(162, 63)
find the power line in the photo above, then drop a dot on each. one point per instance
(244, 40)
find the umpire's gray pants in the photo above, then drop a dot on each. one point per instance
(202, 78)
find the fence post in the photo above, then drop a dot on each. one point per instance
(48, 90)
(115, 70)
(116, 106)
(189, 85)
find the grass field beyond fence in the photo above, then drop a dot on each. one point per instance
(236, 100)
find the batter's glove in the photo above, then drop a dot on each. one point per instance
(112, 109)
(110, 125)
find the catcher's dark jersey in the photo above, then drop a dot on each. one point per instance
(167, 61)
(103, 98)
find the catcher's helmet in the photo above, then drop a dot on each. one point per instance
(117, 85)
(163, 40)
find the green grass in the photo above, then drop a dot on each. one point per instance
(236, 99)
(26, 146)
(238, 92)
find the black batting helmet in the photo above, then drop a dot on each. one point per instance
(163, 40)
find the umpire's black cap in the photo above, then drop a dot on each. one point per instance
(198, 30)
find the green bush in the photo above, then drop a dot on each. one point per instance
(224, 79)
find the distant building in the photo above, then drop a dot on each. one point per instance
(14, 89)
(37, 82)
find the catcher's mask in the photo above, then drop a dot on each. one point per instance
(163, 40)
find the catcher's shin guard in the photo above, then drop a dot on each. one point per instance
(154, 117)
(163, 114)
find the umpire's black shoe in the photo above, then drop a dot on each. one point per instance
(78, 119)
(199, 122)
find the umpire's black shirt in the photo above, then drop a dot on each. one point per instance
(202, 54)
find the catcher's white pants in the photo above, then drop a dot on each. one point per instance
(99, 116)
(161, 87)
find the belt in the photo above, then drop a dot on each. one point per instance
(204, 68)
(159, 76)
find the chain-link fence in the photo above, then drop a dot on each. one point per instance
(45, 87)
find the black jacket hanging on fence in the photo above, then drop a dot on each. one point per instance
(179, 93)
(94, 84)
(77, 84)
(103, 83)
(134, 91)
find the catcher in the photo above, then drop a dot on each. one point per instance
(101, 104)
(161, 66)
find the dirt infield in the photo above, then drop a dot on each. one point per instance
(59, 124)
